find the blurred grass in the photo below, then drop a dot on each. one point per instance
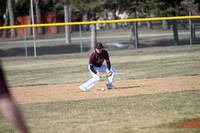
(142, 113)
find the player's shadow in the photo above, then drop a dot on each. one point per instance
(129, 87)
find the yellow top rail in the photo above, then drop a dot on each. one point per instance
(96, 22)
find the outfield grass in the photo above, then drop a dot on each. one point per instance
(175, 61)
(142, 113)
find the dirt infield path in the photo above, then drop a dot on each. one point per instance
(65, 92)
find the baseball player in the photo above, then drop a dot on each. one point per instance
(9, 108)
(96, 66)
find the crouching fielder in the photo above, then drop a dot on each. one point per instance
(96, 66)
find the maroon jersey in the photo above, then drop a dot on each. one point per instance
(3, 86)
(98, 59)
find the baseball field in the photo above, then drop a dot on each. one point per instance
(158, 89)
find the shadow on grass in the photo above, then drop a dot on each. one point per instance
(75, 48)
(167, 42)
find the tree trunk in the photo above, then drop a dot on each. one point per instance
(40, 30)
(5, 31)
(86, 27)
(175, 32)
(114, 25)
(55, 19)
(55, 16)
(133, 34)
(165, 24)
(183, 24)
(93, 32)
(149, 25)
(67, 31)
(105, 17)
(12, 18)
(30, 22)
(70, 20)
(93, 36)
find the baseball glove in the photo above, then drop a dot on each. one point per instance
(109, 74)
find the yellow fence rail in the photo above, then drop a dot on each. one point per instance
(96, 22)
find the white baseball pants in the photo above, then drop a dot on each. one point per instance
(103, 68)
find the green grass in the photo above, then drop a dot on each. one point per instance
(182, 64)
(128, 65)
(141, 113)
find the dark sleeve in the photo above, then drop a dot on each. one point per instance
(108, 65)
(3, 85)
(92, 69)
(106, 56)
(91, 60)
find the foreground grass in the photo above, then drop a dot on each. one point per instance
(174, 61)
(142, 113)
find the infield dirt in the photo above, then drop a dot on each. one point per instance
(65, 92)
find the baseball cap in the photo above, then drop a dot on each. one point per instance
(99, 45)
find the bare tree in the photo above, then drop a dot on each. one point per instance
(67, 31)
(175, 32)
(55, 16)
(40, 30)
(93, 30)
(134, 34)
(165, 25)
(93, 36)
(12, 18)
(5, 31)
(30, 22)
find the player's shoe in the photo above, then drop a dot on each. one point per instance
(83, 88)
(110, 86)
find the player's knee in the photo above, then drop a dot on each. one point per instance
(113, 69)
(97, 78)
